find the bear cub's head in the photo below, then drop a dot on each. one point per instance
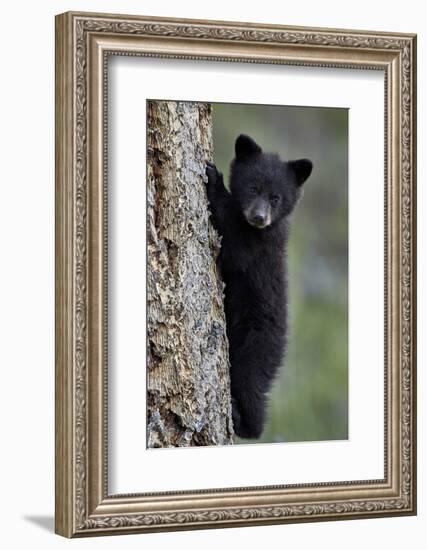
(264, 188)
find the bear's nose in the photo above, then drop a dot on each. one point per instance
(258, 219)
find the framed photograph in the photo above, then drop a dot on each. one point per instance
(235, 274)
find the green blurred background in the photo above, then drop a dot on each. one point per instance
(309, 401)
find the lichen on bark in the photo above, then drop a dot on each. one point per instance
(188, 387)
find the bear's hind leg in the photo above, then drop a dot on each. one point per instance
(248, 413)
(255, 356)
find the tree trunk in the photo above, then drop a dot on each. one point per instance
(188, 401)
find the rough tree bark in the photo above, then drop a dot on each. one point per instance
(188, 369)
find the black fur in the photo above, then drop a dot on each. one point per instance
(253, 222)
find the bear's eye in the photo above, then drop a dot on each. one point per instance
(274, 199)
(253, 190)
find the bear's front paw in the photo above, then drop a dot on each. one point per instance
(212, 173)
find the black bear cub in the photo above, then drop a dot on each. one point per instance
(253, 221)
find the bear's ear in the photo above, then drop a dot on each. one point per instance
(302, 169)
(246, 147)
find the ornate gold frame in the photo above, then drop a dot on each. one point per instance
(83, 42)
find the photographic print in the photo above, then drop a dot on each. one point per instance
(247, 270)
(235, 274)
